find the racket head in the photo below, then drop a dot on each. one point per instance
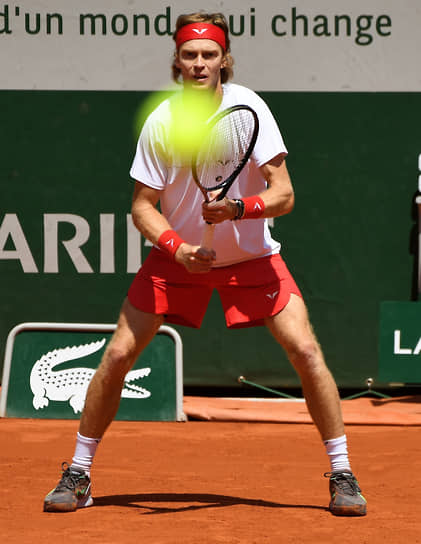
(225, 149)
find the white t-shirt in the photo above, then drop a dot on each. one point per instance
(181, 200)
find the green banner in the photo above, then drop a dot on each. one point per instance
(400, 342)
(49, 368)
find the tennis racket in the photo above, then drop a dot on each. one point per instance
(224, 151)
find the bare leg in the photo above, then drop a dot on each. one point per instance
(135, 329)
(292, 329)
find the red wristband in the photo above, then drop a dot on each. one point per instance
(253, 207)
(169, 242)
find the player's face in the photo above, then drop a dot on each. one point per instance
(200, 62)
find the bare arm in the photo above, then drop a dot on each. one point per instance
(146, 218)
(278, 196)
(151, 223)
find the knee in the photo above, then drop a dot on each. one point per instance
(117, 361)
(306, 357)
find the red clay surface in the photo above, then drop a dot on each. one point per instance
(361, 411)
(209, 483)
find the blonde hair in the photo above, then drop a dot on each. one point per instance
(217, 19)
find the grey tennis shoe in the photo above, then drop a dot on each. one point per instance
(72, 492)
(345, 493)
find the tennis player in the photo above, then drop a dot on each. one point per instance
(176, 281)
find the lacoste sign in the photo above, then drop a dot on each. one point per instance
(48, 368)
(71, 384)
(399, 349)
(400, 342)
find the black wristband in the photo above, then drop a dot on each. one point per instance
(240, 209)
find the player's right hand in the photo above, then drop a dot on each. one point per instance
(196, 259)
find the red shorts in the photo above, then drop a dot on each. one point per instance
(249, 291)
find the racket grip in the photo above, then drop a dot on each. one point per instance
(207, 236)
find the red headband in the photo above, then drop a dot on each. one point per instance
(200, 31)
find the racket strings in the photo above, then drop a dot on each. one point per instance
(224, 148)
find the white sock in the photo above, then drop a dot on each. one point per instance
(337, 451)
(84, 452)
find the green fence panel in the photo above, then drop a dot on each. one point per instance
(49, 367)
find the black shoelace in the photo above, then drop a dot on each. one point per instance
(69, 479)
(346, 482)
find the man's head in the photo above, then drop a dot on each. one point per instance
(202, 58)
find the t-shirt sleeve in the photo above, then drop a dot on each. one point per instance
(149, 164)
(269, 142)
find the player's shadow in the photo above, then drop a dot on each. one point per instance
(184, 502)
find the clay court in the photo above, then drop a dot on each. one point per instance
(207, 482)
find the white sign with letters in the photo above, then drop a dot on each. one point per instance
(302, 45)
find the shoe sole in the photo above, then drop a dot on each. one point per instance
(85, 502)
(355, 510)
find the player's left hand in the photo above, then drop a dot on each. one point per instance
(196, 259)
(217, 211)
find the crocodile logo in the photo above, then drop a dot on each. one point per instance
(72, 384)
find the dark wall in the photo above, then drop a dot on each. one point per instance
(353, 161)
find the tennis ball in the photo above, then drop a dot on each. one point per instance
(146, 107)
(189, 113)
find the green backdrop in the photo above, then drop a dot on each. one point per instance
(349, 241)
